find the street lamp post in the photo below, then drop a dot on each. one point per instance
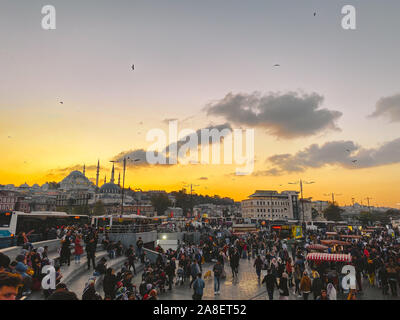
(191, 196)
(140, 198)
(123, 184)
(301, 194)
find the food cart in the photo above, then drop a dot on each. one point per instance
(330, 257)
(317, 247)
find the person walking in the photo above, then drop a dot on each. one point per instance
(198, 287)
(305, 285)
(317, 286)
(258, 263)
(131, 258)
(270, 283)
(91, 244)
(284, 287)
(139, 245)
(65, 253)
(297, 278)
(194, 271)
(218, 269)
(78, 248)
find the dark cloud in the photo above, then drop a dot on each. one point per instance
(334, 153)
(388, 107)
(141, 153)
(287, 115)
(270, 172)
(138, 154)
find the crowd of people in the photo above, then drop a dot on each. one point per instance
(280, 265)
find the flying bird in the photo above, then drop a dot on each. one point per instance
(9, 137)
(354, 161)
(315, 14)
(347, 150)
(61, 102)
(277, 65)
(133, 67)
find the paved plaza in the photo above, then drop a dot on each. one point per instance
(247, 287)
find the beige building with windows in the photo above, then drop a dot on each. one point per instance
(271, 205)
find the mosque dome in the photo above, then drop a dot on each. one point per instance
(110, 188)
(75, 180)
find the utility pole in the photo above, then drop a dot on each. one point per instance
(369, 208)
(191, 197)
(333, 196)
(123, 187)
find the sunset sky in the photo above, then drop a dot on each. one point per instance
(335, 97)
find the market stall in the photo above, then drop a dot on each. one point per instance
(318, 256)
(317, 247)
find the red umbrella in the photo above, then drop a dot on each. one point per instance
(317, 247)
(335, 242)
(317, 256)
(350, 236)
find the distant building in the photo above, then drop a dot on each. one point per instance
(8, 200)
(271, 205)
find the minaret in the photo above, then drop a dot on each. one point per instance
(97, 173)
(119, 179)
(105, 179)
(112, 174)
(84, 170)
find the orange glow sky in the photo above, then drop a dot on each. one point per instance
(187, 55)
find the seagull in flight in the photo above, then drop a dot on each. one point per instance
(61, 102)
(277, 65)
(315, 14)
(133, 67)
(354, 161)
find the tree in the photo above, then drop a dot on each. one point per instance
(365, 218)
(98, 209)
(160, 202)
(333, 213)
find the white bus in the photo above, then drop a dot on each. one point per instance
(14, 222)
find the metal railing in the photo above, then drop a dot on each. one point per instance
(132, 228)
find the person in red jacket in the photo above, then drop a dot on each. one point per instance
(78, 248)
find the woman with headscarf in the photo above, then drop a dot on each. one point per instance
(331, 291)
(284, 287)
